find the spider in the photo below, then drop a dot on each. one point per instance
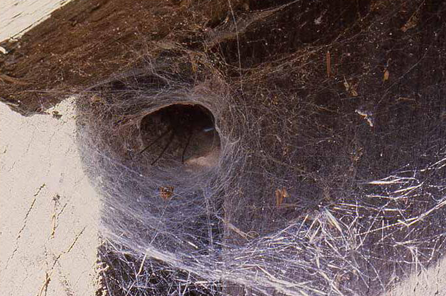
(182, 122)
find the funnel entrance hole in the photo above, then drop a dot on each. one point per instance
(180, 134)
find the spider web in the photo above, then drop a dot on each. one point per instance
(331, 162)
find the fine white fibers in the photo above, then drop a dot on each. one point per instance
(176, 222)
(255, 174)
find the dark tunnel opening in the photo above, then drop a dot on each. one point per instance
(180, 134)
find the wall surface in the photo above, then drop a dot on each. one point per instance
(48, 210)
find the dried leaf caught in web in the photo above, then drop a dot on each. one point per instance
(281, 194)
(350, 88)
(95, 99)
(166, 192)
(386, 75)
(411, 23)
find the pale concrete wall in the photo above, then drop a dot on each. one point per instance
(48, 210)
